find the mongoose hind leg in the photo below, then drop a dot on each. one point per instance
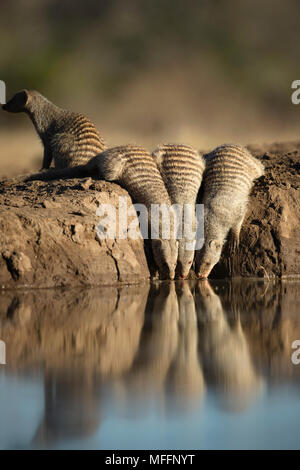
(47, 159)
(233, 244)
(233, 241)
(234, 238)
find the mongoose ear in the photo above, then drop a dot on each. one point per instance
(21, 98)
(111, 166)
(17, 103)
(158, 156)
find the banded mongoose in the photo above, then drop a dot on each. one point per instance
(181, 168)
(135, 170)
(228, 178)
(70, 139)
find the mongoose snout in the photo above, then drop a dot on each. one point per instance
(165, 256)
(207, 257)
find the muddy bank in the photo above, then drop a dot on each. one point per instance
(48, 230)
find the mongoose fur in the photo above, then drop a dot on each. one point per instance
(134, 169)
(70, 139)
(228, 178)
(181, 168)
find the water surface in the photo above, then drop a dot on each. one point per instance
(165, 366)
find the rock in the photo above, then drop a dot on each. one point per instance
(48, 235)
(86, 184)
(17, 263)
(48, 204)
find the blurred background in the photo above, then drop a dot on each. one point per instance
(201, 72)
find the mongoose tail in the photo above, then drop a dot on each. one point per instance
(134, 169)
(181, 167)
(70, 139)
(80, 171)
(228, 178)
(108, 169)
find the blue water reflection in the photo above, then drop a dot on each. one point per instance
(167, 366)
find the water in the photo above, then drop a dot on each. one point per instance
(164, 366)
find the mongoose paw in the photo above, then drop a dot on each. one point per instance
(233, 244)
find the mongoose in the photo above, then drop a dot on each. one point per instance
(228, 178)
(134, 169)
(181, 168)
(70, 139)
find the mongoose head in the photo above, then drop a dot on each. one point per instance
(207, 258)
(185, 261)
(165, 254)
(17, 104)
(22, 101)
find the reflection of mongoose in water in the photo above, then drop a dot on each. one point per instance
(73, 411)
(181, 168)
(228, 179)
(70, 139)
(158, 343)
(119, 334)
(186, 376)
(224, 350)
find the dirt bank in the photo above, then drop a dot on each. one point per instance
(48, 236)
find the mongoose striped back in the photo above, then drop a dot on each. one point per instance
(230, 167)
(181, 168)
(134, 168)
(69, 138)
(75, 141)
